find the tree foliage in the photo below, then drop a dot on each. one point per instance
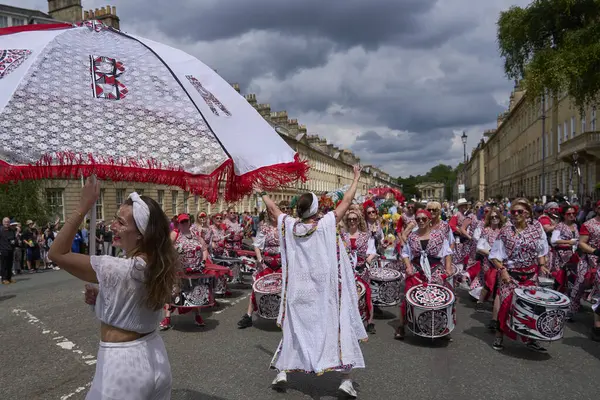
(440, 173)
(554, 47)
(24, 200)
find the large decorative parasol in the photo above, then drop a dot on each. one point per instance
(88, 99)
(382, 193)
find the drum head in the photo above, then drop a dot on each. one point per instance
(545, 281)
(268, 284)
(384, 274)
(430, 296)
(543, 296)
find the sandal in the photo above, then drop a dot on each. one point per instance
(399, 335)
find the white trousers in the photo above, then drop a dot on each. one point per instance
(137, 370)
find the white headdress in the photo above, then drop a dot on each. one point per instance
(314, 207)
(141, 212)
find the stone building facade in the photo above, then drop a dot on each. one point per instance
(433, 191)
(539, 145)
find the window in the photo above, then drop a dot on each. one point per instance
(160, 199)
(573, 127)
(54, 197)
(565, 131)
(139, 191)
(558, 136)
(100, 205)
(3, 21)
(120, 197)
(18, 21)
(583, 123)
(186, 197)
(174, 202)
(593, 122)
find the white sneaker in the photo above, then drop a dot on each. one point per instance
(347, 388)
(280, 381)
(56, 268)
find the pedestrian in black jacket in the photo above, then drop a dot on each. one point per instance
(8, 241)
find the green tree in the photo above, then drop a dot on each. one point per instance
(554, 47)
(440, 173)
(23, 201)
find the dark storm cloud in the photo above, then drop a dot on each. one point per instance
(347, 23)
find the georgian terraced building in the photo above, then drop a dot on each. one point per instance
(539, 145)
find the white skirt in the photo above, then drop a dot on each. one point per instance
(137, 370)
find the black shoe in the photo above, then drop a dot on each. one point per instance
(245, 322)
(498, 345)
(535, 346)
(493, 325)
(371, 329)
(479, 307)
(596, 334)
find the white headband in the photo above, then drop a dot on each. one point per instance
(314, 207)
(141, 212)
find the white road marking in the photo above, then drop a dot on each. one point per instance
(78, 390)
(231, 304)
(60, 341)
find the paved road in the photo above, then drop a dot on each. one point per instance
(48, 341)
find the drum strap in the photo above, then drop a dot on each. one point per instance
(521, 276)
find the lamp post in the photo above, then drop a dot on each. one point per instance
(464, 171)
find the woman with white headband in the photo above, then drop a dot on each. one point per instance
(319, 313)
(132, 359)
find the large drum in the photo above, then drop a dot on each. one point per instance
(430, 311)
(385, 287)
(539, 313)
(363, 307)
(267, 290)
(195, 291)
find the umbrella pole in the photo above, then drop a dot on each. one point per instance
(92, 231)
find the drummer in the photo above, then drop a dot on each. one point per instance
(428, 259)
(268, 257)
(564, 242)
(361, 245)
(589, 243)
(201, 227)
(192, 251)
(518, 254)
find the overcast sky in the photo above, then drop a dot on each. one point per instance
(396, 81)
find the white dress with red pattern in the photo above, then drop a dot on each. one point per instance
(563, 253)
(486, 275)
(519, 252)
(217, 239)
(588, 264)
(359, 248)
(236, 235)
(267, 240)
(190, 249)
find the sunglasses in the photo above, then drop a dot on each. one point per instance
(422, 219)
(433, 209)
(494, 217)
(518, 212)
(372, 212)
(352, 219)
(218, 218)
(570, 213)
(410, 208)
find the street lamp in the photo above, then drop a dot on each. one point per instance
(464, 171)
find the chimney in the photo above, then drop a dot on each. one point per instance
(108, 16)
(65, 10)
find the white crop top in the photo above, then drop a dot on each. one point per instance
(120, 302)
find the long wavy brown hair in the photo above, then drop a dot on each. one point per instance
(362, 224)
(162, 258)
(488, 218)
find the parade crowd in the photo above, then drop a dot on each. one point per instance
(410, 254)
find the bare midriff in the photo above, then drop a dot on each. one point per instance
(111, 334)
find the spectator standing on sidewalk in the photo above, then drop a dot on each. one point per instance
(8, 241)
(108, 238)
(19, 250)
(32, 250)
(85, 238)
(99, 238)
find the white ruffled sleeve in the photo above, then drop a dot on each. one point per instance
(406, 253)
(555, 236)
(446, 250)
(259, 240)
(542, 247)
(477, 233)
(483, 245)
(498, 251)
(371, 247)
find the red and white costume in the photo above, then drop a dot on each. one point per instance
(427, 258)
(267, 240)
(236, 235)
(519, 252)
(587, 269)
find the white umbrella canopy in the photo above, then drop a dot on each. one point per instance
(88, 99)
